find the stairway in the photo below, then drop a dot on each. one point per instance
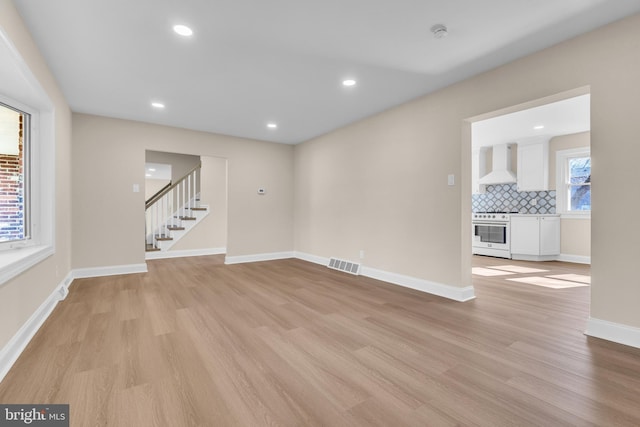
(168, 234)
(172, 213)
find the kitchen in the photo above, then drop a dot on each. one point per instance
(531, 189)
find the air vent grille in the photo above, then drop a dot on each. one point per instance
(346, 266)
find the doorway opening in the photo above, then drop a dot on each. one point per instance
(186, 205)
(530, 194)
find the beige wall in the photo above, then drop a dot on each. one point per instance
(575, 238)
(152, 186)
(211, 232)
(108, 218)
(380, 185)
(21, 297)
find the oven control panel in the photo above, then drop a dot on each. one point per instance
(491, 216)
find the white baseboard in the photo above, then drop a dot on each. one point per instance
(185, 253)
(452, 292)
(12, 350)
(258, 257)
(616, 332)
(311, 258)
(447, 291)
(82, 273)
(578, 259)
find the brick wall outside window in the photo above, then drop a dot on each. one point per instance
(12, 193)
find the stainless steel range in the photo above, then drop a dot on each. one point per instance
(491, 235)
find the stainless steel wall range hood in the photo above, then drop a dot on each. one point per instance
(501, 173)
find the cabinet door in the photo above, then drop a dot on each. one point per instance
(533, 166)
(549, 235)
(525, 235)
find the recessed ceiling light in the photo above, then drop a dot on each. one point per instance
(147, 175)
(183, 30)
(348, 82)
(538, 127)
(272, 125)
(157, 105)
(151, 169)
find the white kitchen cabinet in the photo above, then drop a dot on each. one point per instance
(535, 237)
(533, 165)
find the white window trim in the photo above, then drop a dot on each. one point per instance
(562, 172)
(20, 89)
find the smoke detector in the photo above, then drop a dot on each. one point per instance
(439, 31)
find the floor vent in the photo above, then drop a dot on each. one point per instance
(346, 266)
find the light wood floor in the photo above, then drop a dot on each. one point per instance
(197, 343)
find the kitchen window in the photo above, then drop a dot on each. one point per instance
(573, 186)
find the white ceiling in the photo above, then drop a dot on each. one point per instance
(564, 117)
(250, 62)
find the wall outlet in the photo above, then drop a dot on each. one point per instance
(361, 254)
(534, 202)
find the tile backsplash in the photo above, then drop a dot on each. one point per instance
(506, 197)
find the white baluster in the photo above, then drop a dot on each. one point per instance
(183, 198)
(157, 215)
(170, 195)
(163, 229)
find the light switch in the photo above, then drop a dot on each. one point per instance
(451, 179)
(136, 188)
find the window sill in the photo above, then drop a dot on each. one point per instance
(16, 261)
(571, 215)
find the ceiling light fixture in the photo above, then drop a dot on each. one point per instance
(348, 82)
(147, 175)
(151, 169)
(157, 105)
(538, 127)
(439, 31)
(183, 30)
(272, 125)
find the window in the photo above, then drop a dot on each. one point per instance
(27, 180)
(14, 173)
(573, 182)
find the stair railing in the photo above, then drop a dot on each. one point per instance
(167, 208)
